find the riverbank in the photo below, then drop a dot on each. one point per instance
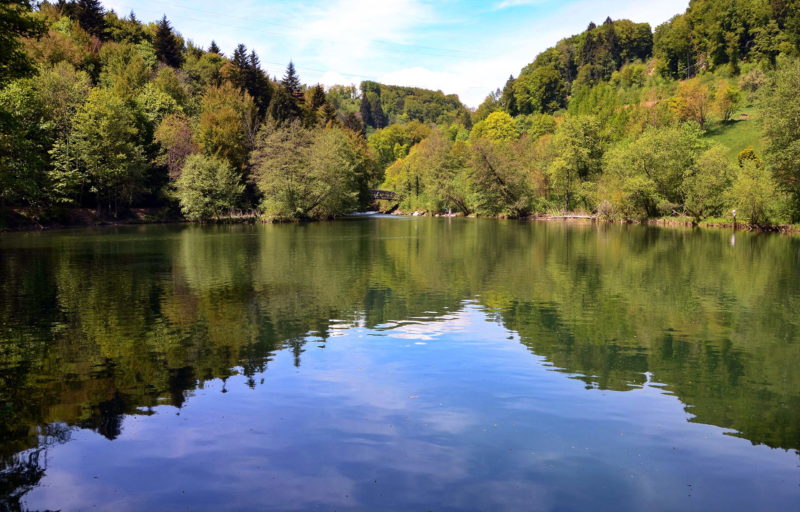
(688, 222)
(30, 220)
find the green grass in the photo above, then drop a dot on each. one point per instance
(739, 133)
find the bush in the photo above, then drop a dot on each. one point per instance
(208, 188)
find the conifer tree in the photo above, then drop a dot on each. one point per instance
(316, 98)
(366, 111)
(17, 22)
(168, 48)
(257, 83)
(327, 116)
(91, 17)
(239, 65)
(288, 100)
(291, 82)
(214, 48)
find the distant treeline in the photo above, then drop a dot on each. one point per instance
(107, 112)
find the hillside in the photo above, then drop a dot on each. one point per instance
(383, 105)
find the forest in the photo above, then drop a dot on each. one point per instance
(694, 119)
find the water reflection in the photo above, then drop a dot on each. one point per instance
(100, 330)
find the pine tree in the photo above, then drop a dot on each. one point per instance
(168, 48)
(239, 65)
(508, 99)
(328, 116)
(378, 117)
(214, 48)
(91, 17)
(366, 111)
(288, 100)
(257, 83)
(354, 124)
(316, 99)
(291, 82)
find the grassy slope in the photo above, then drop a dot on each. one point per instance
(739, 133)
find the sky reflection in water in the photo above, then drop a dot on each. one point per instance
(459, 392)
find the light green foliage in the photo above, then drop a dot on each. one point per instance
(727, 99)
(706, 184)
(754, 196)
(434, 177)
(309, 173)
(102, 155)
(692, 101)
(580, 150)
(173, 83)
(500, 181)
(44, 107)
(536, 125)
(490, 104)
(643, 177)
(630, 75)
(498, 126)
(396, 141)
(126, 67)
(404, 104)
(204, 70)
(155, 104)
(226, 124)
(345, 98)
(208, 188)
(780, 107)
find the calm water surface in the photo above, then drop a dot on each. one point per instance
(399, 365)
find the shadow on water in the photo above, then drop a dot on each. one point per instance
(99, 325)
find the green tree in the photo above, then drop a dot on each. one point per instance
(643, 177)
(498, 126)
(726, 101)
(16, 22)
(500, 182)
(91, 16)
(580, 150)
(175, 138)
(208, 188)
(308, 173)
(225, 124)
(396, 141)
(705, 185)
(780, 106)
(287, 104)
(169, 48)
(692, 101)
(102, 155)
(753, 194)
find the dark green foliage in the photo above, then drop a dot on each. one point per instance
(169, 49)
(16, 22)
(388, 104)
(780, 103)
(715, 33)
(91, 16)
(288, 100)
(246, 74)
(213, 48)
(585, 59)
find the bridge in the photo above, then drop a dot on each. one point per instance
(385, 195)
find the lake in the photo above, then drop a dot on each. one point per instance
(399, 364)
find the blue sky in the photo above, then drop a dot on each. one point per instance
(467, 47)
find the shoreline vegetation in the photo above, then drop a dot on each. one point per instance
(106, 119)
(83, 218)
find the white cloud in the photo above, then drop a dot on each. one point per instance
(505, 4)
